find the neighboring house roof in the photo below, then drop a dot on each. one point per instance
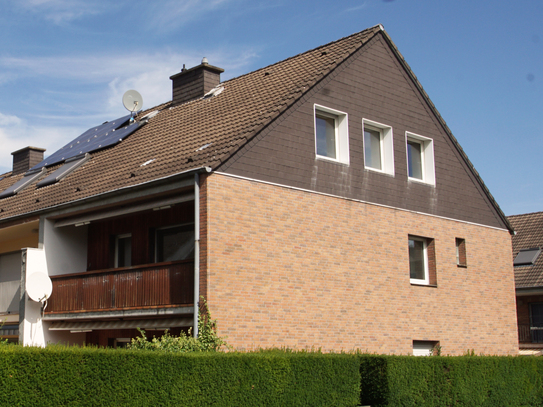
(529, 234)
(204, 132)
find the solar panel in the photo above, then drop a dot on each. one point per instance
(22, 183)
(95, 138)
(70, 165)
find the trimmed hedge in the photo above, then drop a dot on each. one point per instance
(451, 381)
(100, 377)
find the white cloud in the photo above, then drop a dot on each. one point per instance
(17, 133)
(60, 11)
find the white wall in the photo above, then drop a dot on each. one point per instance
(66, 248)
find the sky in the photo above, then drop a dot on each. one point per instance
(65, 64)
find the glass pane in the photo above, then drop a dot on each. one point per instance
(414, 158)
(124, 251)
(326, 136)
(372, 149)
(416, 259)
(536, 311)
(175, 243)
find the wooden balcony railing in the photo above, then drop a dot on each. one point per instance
(530, 334)
(148, 286)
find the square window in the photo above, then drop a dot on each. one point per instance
(461, 260)
(175, 243)
(378, 147)
(123, 250)
(331, 134)
(422, 264)
(420, 158)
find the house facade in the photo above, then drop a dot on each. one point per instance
(528, 265)
(318, 202)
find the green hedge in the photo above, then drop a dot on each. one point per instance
(58, 376)
(451, 381)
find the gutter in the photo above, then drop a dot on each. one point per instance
(196, 252)
(105, 195)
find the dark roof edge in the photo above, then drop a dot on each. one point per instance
(108, 194)
(447, 130)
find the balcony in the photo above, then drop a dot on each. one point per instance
(146, 287)
(530, 334)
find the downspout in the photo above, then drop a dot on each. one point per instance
(196, 252)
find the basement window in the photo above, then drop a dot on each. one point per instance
(425, 348)
(527, 257)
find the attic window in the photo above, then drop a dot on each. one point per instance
(527, 257)
(28, 178)
(69, 166)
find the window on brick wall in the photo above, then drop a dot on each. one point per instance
(461, 260)
(425, 348)
(422, 261)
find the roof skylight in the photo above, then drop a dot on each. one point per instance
(527, 257)
(70, 165)
(28, 178)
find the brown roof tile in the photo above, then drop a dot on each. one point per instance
(174, 138)
(529, 234)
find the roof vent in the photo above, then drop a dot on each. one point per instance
(26, 158)
(194, 83)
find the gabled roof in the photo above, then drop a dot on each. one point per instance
(205, 132)
(529, 234)
(199, 133)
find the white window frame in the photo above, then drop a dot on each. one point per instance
(424, 348)
(387, 146)
(342, 132)
(426, 279)
(427, 157)
(117, 237)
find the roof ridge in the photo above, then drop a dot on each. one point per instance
(525, 214)
(306, 52)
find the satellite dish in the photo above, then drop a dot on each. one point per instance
(39, 286)
(132, 100)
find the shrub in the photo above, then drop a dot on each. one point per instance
(207, 340)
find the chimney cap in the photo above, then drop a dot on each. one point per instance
(28, 148)
(205, 61)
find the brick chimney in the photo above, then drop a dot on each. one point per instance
(26, 158)
(193, 83)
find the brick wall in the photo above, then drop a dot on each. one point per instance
(298, 269)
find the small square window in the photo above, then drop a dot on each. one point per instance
(378, 147)
(461, 260)
(123, 250)
(420, 158)
(422, 264)
(425, 348)
(331, 134)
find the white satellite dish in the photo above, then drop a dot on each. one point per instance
(39, 286)
(132, 100)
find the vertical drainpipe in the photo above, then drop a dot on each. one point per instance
(196, 251)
